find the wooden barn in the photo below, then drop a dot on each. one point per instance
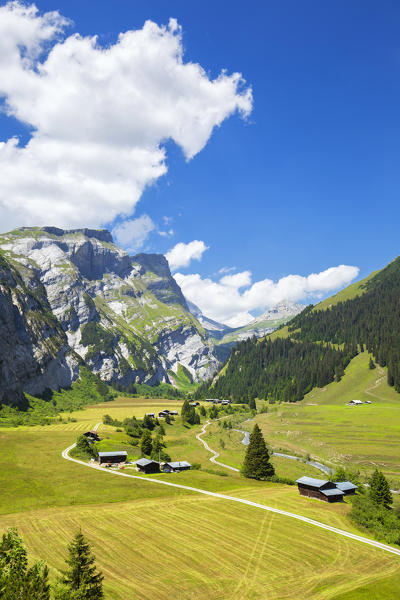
(112, 458)
(176, 467)
(145, 465)
(320, 489)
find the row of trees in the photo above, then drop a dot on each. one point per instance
(18, 581)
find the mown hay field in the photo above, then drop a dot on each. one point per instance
(205, 548)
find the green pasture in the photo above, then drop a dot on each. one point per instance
(154, 541)
(363, 437)
(228, 443)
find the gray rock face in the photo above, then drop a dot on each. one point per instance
(34, 352)
(125, 316)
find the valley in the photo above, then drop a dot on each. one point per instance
(207, 532)
(126, 519)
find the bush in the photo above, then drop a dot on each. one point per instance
(383, 523)
(284, 480)
(216, 472)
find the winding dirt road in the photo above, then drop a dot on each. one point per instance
(358, 538)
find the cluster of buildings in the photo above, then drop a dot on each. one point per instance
(218, 401)
(146, 465)
(322, 489)
(170, 413)
(358, 402)
(143, 465)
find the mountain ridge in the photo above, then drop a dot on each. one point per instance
(125, 316)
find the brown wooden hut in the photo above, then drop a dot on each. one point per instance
(319, 488)
(176, 467)
(145, 465)
(112, 458)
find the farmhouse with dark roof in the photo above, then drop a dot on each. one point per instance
(112, 457)
(323, 489)
(145, 465)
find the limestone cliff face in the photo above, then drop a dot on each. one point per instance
(124, 315)
(34, 351)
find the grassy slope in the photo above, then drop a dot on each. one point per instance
(155, 542)
(182, 379)
(365, 436)
(350, 292)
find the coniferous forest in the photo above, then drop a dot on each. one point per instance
(320, 345)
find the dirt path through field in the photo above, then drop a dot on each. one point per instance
(381, 374)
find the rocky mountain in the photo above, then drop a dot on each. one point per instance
(225, 337)
(211, 327)
(125, 316)
(34, 350)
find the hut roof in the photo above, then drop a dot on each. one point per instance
(178, 464)
(332, 492)
(317, 483)
(143, 462)
(119, 453)
(346, 485)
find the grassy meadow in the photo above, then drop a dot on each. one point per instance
(363, 437)
(159, 542)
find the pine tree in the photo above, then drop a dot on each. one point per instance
(379, 489)
(148, 423)
(146, 444)
(82, 578)
(16, 579)
(257, 461)
(371, 363)
(252, 404)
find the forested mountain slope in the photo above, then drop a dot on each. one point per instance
(321, 342)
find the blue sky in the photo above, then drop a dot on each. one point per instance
(310, 179)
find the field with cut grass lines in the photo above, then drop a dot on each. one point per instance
(195, 547)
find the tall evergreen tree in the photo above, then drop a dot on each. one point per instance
(17, 581)
(252, 403)
(379, 489)
(82, 578)
(146, 444)
(257, 463)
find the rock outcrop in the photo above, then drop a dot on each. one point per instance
(125, 316)
(34, 351)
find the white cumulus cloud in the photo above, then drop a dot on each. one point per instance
(99, 116)
(226, 300)
(132, 233)
(181, 255)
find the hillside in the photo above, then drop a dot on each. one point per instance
(319, 343)
(124, 316)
